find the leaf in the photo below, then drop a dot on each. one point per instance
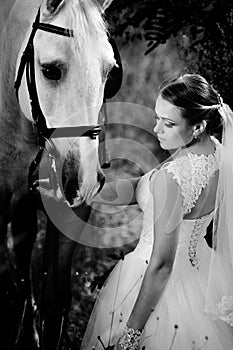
(150, 49)
(98, 281)
(117, 256)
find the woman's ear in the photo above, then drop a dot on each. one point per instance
(199, 128)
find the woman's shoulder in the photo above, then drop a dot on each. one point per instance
(189, 163)
(174, 169)
(188, 167)
(162, 179)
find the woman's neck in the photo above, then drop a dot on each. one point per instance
(201, 145)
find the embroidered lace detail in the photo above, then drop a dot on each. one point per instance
(192, 172)
(222, 310)
(194, 239)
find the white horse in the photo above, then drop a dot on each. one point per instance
(72, 59)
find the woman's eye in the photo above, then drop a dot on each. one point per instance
(168, 125)
(51, 72)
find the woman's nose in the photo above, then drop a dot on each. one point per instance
(158, 127)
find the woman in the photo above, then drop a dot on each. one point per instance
(174, 291)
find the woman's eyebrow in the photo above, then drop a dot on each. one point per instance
(164, 118)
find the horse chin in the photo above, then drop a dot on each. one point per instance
(80, 199)
(48, 190)
(57, 195)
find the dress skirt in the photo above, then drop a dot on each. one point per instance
(178, 322)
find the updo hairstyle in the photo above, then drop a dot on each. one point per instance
(197, 100)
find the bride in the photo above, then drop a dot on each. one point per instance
(174, 291)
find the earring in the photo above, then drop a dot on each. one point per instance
(199, 129)
(196, 137)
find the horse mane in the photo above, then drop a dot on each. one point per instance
(86, 20)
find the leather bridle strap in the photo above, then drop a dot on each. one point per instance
(46, 27)
(74, 131)
(25, 56)
(27, 62)
(29, 48)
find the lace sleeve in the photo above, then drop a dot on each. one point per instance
(181, 174)
(192, 173)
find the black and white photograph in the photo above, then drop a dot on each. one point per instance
(116, 175)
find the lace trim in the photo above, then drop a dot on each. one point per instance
(222, 310)
(130, 339)
(192, 173)
(194, 239)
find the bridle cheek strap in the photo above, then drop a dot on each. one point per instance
(44, 133)
(27, 62)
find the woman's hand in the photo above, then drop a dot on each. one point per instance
(117, 346)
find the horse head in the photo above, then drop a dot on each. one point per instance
(70, 71)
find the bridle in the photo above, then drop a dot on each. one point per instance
(39, 122)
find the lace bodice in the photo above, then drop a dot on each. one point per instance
(192, 172)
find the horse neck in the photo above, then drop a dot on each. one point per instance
(6, 7)
(11, 36)
(9, 107)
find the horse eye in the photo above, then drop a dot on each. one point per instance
(51, 72)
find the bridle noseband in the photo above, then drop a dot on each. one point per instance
(39, 120)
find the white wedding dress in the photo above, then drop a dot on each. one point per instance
(179, 320)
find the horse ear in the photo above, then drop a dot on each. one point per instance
(50, 7)
(104, 4)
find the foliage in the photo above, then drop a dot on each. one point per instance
(203, 31)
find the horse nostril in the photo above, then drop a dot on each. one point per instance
(101, 180)
(71, 188)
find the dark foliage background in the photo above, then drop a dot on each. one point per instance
(202, 28)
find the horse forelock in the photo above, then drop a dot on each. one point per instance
(85, 19)
(90, 29)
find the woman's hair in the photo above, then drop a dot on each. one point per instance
(196, 98)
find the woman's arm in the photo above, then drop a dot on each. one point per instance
(118, 192)
(168, 215)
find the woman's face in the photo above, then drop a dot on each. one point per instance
(172, 130)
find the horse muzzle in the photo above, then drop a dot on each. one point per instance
(74, 195)
(63, 179)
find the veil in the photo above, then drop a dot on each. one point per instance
(219, 294)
